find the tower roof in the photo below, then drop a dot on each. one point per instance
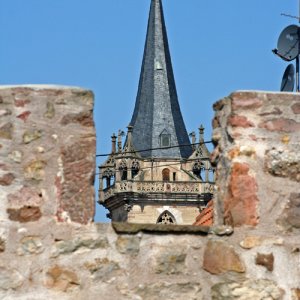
(157, 121)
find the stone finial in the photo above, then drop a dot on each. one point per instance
(192, 135)
(201, 134)
(129, 144)
(129, 133)
(113, 144)
(120, 135)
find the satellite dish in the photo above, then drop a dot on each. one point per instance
(288, 43)
(288, 79)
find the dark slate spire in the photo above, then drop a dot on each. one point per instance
(157, 119)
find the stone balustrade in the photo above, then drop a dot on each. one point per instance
(157, 187)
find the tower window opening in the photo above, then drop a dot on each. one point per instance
(166, 175)
(108, 178)
(174, 176)
(107, 182)
(123, 171)
(198, 170)
(124, 174)
(135, 168)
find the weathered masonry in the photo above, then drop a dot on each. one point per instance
(51, 249)
(158, 176)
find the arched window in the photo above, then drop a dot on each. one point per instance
(166, 218)
(108, 178)
(123, 170)
(198, 170)
(135, 168)
(166, 174)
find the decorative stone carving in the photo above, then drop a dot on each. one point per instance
(166, 218)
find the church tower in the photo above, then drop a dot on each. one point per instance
(158, 176)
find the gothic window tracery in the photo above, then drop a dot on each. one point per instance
(199, 169)
(166, 218)
(109, 178)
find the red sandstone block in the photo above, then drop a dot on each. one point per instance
(281, 125)
(245, 101)
(239, 121)
(241, 201)
(24, 116)
(21, 103)
(296, 108)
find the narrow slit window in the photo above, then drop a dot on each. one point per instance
(174, 176)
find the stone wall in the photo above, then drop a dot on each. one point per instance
(258, 156)
(50, 249)
(47, 150)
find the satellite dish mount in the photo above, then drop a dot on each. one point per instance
(288, 49)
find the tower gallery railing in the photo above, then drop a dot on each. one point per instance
(156, 187)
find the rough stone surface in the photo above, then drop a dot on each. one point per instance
(166, 290)
(61, 279)
(2, 245)
(239, 121)
(6, 131)
(24, 214)
(128, 244)
(50, 249)
(290, 217)
(10, 279)
(296, 108)
(257, 157)
(42, 153)
(171, 261)
(240, 204)
(255, 241)
(284, 163)
(258, 289)
(220, 258)
(7, 179)
(131, 228)
(266, 260)
(296, 294)
(30, 245)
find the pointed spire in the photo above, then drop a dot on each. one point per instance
(157, 120)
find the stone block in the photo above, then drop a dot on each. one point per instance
(241, 201)
(250, 289)
(10, 279)
(266, 260)
(61, 279)
(220, 258)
